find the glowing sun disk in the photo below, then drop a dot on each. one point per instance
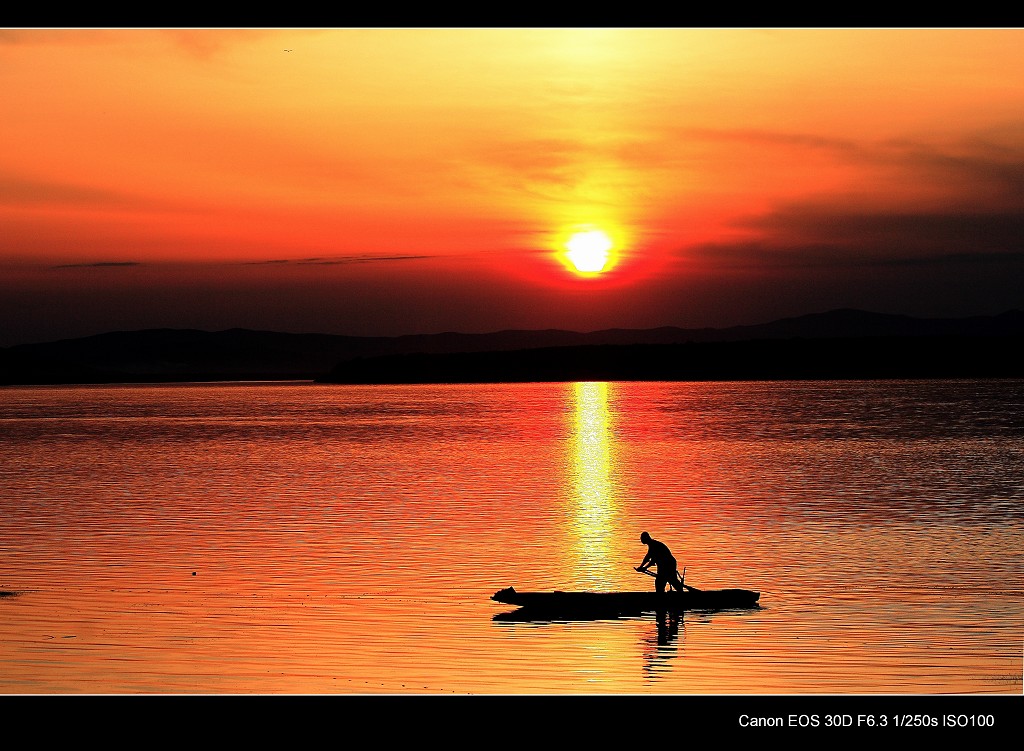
(588, 251)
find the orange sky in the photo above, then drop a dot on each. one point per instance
(371, 181)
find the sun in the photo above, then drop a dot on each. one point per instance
(588, 251)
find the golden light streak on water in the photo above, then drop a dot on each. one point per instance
(595, 503)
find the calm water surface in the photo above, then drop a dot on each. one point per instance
(297, 538)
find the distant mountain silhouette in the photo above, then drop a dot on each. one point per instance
(241, 354)
(18, 367)
(756, 359)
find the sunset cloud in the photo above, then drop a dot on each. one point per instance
(423, 175)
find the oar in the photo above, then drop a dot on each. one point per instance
(681, 579)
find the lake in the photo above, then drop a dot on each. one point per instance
(268, 538)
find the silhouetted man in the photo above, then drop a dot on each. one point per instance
(659, 555)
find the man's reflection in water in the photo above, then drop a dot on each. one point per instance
(661, 645)
(658, 645)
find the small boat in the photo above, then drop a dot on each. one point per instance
(627, 603)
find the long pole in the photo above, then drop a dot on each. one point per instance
(681, 584)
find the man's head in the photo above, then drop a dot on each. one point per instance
(645, 538)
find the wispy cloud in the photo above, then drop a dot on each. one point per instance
(18, 190)
(333, 261)
(941, 204)
(97, 265)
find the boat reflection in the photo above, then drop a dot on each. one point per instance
(660, 635)
(657, 646)
(540, 616)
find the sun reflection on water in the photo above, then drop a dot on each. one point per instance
(595, 503)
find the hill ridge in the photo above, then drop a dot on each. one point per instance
(250, 354)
